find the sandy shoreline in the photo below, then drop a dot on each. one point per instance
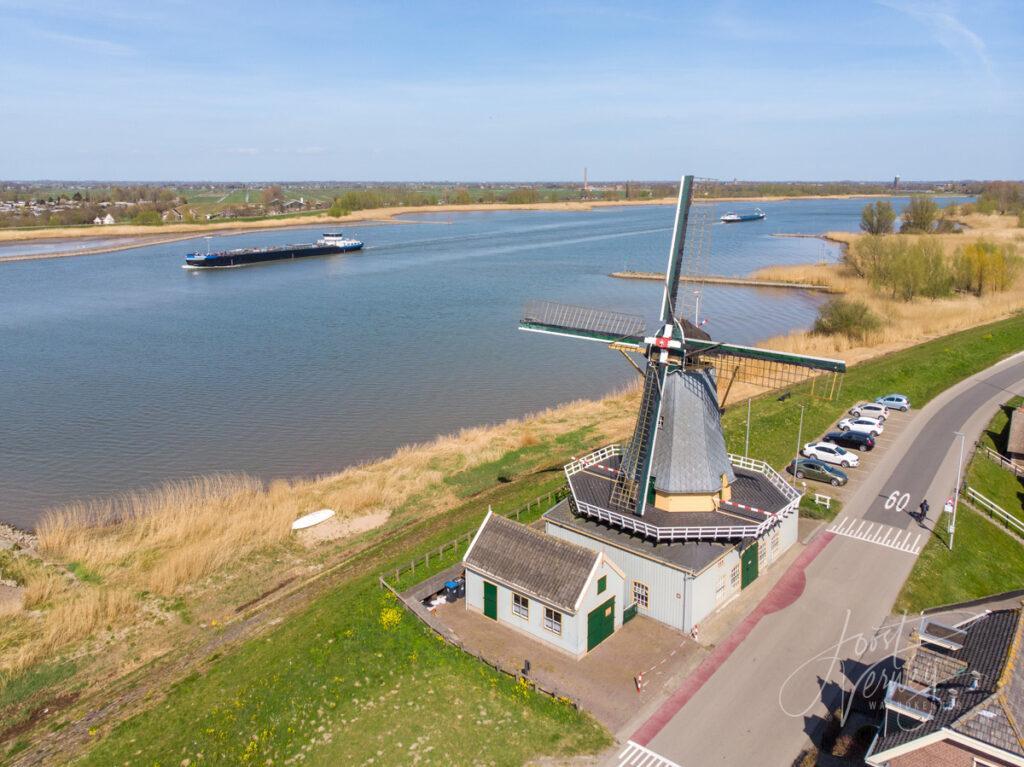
(175, 232)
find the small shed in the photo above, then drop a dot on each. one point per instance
(561, 593)
(1015, 439)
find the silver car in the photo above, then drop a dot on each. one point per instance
(895, 401)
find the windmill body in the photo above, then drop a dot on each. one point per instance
(687, 522)
(682, 524)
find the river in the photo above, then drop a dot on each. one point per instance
(121, 370)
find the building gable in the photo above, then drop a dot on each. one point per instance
(551, 570)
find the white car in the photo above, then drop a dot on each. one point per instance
(829, 453)
(864, 425)
(871, 410)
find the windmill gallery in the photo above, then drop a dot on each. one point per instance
(669, 526)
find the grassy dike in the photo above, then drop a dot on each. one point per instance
(353, 679)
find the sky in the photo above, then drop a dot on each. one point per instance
(521, 91)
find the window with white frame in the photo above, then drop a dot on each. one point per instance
(720, 590)
(552, 620)
(734, 577)
(776, 543)
(641, 594)
(521, 606)
(762, 553)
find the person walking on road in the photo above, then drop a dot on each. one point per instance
(922, 513)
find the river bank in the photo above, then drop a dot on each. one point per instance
(176, 232)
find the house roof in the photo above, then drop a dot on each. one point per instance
(689, 452)
(992, 712)
(547, 568)
(1015, 439)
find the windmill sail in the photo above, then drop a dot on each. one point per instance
(670, 298)
(582, 322)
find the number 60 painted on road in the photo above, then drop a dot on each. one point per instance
(897, 501)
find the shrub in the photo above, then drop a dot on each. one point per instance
(919, 215)
(852, 319)
(147, 218)
(878, 218)
(985, 267)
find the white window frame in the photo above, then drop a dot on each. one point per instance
(644, 592)
(525, 614)
(734, 577)
(776, 543)
(553, 618)
(762, 554)
(720, 590)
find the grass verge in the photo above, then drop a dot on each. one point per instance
(985, 560)
(354, 680)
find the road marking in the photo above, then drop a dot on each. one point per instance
(890, 537)
(635, 755)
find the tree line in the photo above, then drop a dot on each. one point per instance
(918, 268)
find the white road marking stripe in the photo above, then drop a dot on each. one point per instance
(635, 755)
(879, 534)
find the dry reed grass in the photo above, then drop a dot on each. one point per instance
(906, 322)
(162, 539)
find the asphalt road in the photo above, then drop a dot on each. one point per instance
(764, 699)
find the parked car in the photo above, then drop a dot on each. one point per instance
(812, 468)
(829, 453)
(855, 440)
(895, 401)
(865, 425)
(871, 410)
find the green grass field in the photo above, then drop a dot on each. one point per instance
(989, 478)
(355, 680)
(339, 684)
(984, 561)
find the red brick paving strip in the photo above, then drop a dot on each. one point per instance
(786, 592)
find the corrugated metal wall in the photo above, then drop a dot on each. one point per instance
(666, 586)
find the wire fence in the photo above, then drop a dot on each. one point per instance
(435, 625)
(423, 562)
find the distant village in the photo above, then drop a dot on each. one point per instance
(51, 203)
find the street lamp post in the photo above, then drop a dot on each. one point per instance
(799, 439)
(956, 490)
(696, 308)
(746, 445)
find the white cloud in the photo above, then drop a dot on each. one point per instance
(947, 30)
(90, 44)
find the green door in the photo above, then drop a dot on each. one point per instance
(749, 565)
(600, 624)
(491, 599)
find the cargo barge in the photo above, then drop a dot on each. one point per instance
(330, 243)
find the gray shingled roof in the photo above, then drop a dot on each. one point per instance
(994, 712)
(527, 560)
(689, 454)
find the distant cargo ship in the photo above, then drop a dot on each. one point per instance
(328, 244)
(736, 218)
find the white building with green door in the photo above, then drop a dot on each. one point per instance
(566, 595)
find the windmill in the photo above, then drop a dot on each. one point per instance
(676, 460)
